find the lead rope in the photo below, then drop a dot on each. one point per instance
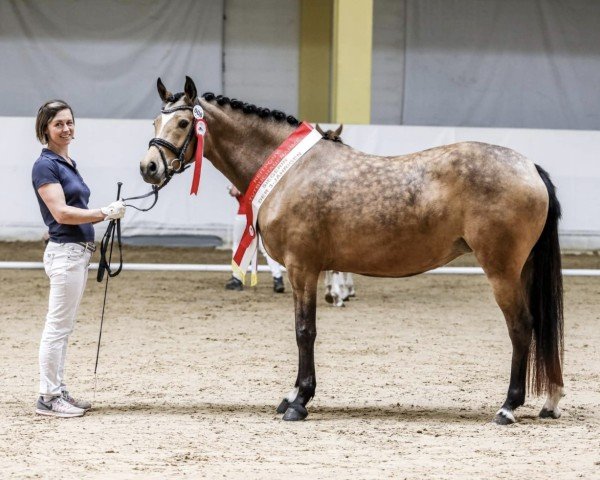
(115, 225)
(154, 192)
(103, 266)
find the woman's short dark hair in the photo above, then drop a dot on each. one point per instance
(45, 115)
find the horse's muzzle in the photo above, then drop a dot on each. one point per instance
(151, 171)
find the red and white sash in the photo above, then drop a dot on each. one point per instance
(261, 185)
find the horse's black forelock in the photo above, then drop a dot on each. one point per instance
(250, 109)
(174, 97)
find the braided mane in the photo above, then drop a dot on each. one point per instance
(250, 109)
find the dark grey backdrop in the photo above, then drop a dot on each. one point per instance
(487, 63)
(104, 56)
(490, 63)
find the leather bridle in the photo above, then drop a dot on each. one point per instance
(177, 164)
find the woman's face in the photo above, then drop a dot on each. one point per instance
(61, 129)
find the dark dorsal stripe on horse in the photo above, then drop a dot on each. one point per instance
(250, 109)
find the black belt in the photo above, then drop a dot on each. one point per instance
(91, 246)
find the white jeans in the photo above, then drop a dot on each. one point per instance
(66, 265)
(239, 224)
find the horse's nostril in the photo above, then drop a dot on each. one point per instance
(152, 167)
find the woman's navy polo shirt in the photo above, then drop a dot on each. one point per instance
(52, 168)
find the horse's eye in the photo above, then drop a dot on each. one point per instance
(183, 123)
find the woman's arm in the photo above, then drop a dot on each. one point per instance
(53, 196)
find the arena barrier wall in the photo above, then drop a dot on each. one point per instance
(108, 151)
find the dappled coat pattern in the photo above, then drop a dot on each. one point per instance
(341, 209)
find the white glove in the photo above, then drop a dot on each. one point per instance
(115, 211)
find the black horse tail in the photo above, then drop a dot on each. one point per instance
(546, 301)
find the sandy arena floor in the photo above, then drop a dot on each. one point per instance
(409, 376)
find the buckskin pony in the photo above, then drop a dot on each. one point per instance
(341, 209)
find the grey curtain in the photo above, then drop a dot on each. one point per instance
(488, 63)
(103, 57)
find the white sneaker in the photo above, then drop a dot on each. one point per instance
(79, 403)
(57, 407)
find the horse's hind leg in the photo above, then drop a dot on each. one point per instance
(511, 298)
(550, 408)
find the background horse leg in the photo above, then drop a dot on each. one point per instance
(349, 282)
(338, 289)
(304, 285)
(328, 286)
(334, 288)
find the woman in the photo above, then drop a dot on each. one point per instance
(63, 198)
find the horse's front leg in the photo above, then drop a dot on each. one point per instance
(304, 285)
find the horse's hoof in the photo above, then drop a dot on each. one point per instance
(545, 413)
(504, 417)
(295, 412)
(329, 298)
(283, 406)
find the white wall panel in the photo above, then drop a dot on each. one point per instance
(108, 151)
(261, 44)
(569, 156)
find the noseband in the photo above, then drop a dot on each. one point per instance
(177, 165)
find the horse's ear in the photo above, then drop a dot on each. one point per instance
(162, 91)
(338, 131)
(190, 89)
(320, 130)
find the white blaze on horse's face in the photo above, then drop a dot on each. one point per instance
(151, 166)
(164, 120)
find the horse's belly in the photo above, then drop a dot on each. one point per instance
(399, 258)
